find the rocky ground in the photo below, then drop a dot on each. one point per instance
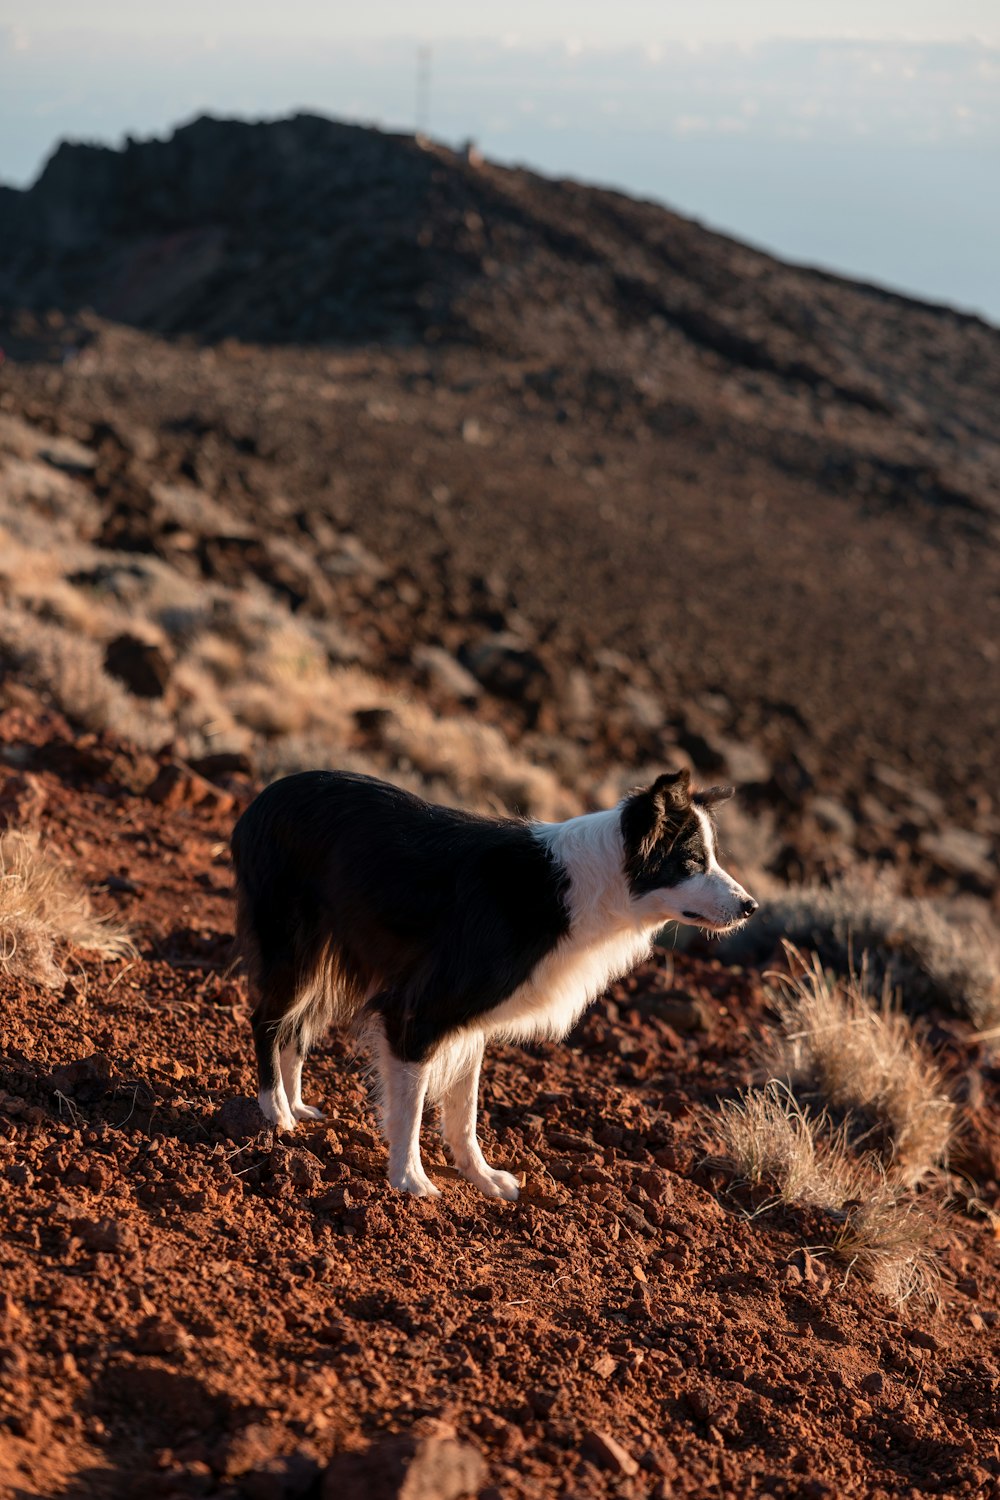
(191, 1309)
(513, 492)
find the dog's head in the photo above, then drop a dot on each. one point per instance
(670, 858)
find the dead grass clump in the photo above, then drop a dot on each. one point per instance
(862, 1055)
(887, 1238)
(934, 956)
(42, 905)
(767, 1139)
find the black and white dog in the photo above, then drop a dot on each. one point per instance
(438, 930)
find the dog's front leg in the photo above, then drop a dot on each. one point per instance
(402, 1090)
(459, 1107)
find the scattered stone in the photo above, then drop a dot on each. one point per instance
(177, 785)
(874, 1384)
(920, 1338)
(442, 671)
(110, 1236)
(699, 1404)
(685, 1013)
(247, 1449)
(240, 1119)
(745, 764)
(223, 763)
(67, 454)
(408, 1468)
(608, 1452)
(86, 1080)
(961, 852)
(507, 667)
(140, 665)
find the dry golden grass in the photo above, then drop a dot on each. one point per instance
(70, 669)
(43, 907)
(888, 1238)
(768, 1139)
(247, 674)
(934, 955)
(860, 1054)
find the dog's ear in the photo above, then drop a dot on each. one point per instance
(648, 814)
(672, 791)
(713, 794)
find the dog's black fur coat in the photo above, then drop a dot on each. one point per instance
(334, 862)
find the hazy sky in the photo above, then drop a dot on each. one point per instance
(607, 20)
(862, 135)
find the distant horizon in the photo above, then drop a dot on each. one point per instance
(874, 160)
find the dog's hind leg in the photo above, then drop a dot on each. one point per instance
(274, 998)
(402, 1092)
(291, 1058)
(459, 1108)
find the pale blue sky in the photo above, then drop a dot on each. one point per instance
(862, 135)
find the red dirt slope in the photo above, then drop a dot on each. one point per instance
(185, 1314)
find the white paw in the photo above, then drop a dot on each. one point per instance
(307, 1112)
(416, 1183)
(496, 1184)
(277, 1112)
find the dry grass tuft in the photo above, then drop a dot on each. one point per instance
(934, 956)
(863, 1056)
(42, 905)
(888, 1239)
(767, 1139)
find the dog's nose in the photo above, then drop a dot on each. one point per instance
(749, 906)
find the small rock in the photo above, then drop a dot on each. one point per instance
(507, 667)
(140, 665)
(920, 1338)
(86, 1080)
(608, 1452)
(223, 763)
(408, 1468)
(699, 1404)
(445, 673)
(976, 1322)
(64, 452)
(177, 786)
(246, 1449)
(874, 1383)
(108, 1235)
(685, 1013)
(240, 1119)
(745, 764)
(961, 852)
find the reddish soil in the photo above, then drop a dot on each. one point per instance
(701, 508)
(187, 1314)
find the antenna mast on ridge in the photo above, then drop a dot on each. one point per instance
(423, 88)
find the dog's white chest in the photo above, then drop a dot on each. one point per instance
(550, 1003)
